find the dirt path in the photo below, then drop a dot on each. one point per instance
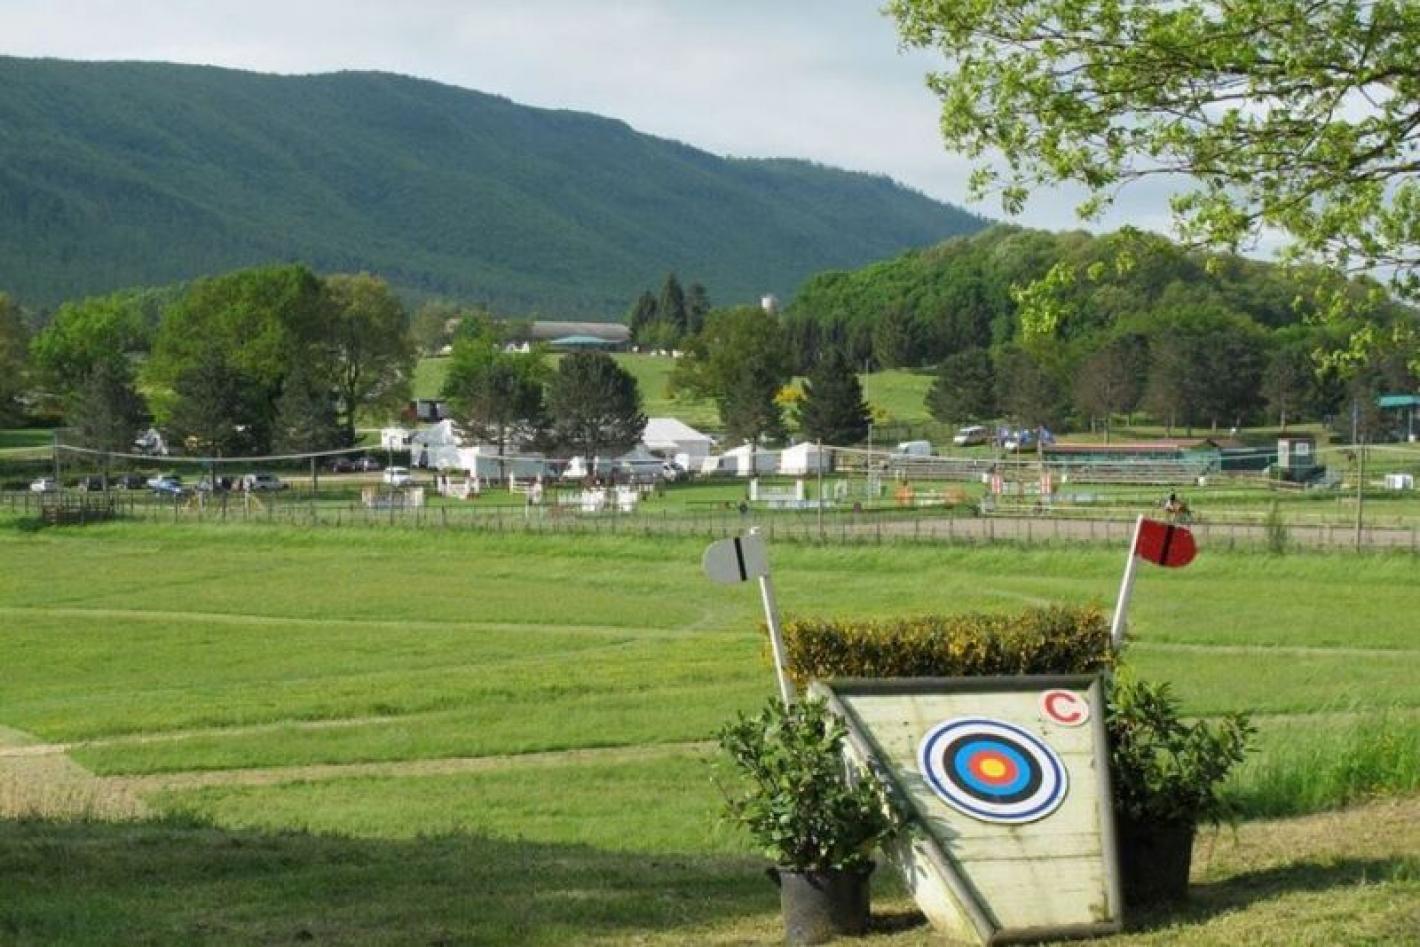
(52, 784)
(141, 785)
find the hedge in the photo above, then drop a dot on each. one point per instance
(1057, 639)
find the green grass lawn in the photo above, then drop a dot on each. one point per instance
(171, 655)
(897, 392)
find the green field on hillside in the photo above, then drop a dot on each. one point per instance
(533, 710)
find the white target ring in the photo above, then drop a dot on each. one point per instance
(992, 770)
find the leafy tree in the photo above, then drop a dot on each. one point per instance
(833, 409)
(497, 396)
(105, 412)
(1287, 382)
(369, 347)
(85, 334)
(14, 347)
(740, 361)
(594, 406)
(1111, 381)
(307, 418)
(249, 329)
(896, 341)
(433, 324)
(261, 318)
(964, 389)
(1290, 115)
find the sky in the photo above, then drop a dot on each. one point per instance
(822, 80)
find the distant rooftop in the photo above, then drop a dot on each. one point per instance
(613, 332)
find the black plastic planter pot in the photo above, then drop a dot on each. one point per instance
(1154, 858)
(821, 905)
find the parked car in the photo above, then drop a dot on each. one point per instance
(167, 485)
(262, 483)
(398, 477)
(93, 483)
(353, 464)
(972, 434)
(44, 485)
(128, 482)
(914, 449)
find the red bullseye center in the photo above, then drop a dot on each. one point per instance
(993, 768)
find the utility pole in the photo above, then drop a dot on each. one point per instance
(819, 462)
(1360, 491)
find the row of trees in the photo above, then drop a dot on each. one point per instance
(587, 406)
(272, 358)
(665, 321)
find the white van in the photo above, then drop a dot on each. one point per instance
(914, 449)
(967, 436)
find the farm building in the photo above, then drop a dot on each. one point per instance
(671, 437)
(745, 461)
(611, 336)
(804, 459)
(1401, 409)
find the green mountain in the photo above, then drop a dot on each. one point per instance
(122, 174)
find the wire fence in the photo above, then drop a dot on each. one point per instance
(960, 525)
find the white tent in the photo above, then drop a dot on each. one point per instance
(394, 438)
(672, 437)
(482, 460)
(739, 461)
(803, 459)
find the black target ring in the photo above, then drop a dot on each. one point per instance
(992, 770)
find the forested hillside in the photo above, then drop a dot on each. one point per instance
(1059, 328)
(123, 174)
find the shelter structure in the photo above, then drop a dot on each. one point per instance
(805, 458)
(672, 437)
(1403, 409)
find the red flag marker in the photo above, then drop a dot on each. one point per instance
(1164, 544)
(1160, 543)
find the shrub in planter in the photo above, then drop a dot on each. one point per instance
(806, 812)
(1058, 639)
(1166, 776)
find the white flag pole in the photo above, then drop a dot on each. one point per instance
(776, 641)
(1126, 588)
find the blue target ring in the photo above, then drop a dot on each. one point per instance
(992, 770)
(972, 753)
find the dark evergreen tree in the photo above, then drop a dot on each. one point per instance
(697, 307)
(641, 317)
(1026, 389)
(594, 406)
(14, 349)
(670, 308)
(964, 389)
(833, 409)
(219, 408)
(306, 415)
(105, 412)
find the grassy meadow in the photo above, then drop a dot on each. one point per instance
(479, 738)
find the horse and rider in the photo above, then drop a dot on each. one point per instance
(1177, 510)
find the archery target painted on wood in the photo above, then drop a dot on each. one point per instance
(992, 770)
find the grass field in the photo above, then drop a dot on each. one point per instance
(474, 738)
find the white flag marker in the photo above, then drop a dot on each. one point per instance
(740, 559)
